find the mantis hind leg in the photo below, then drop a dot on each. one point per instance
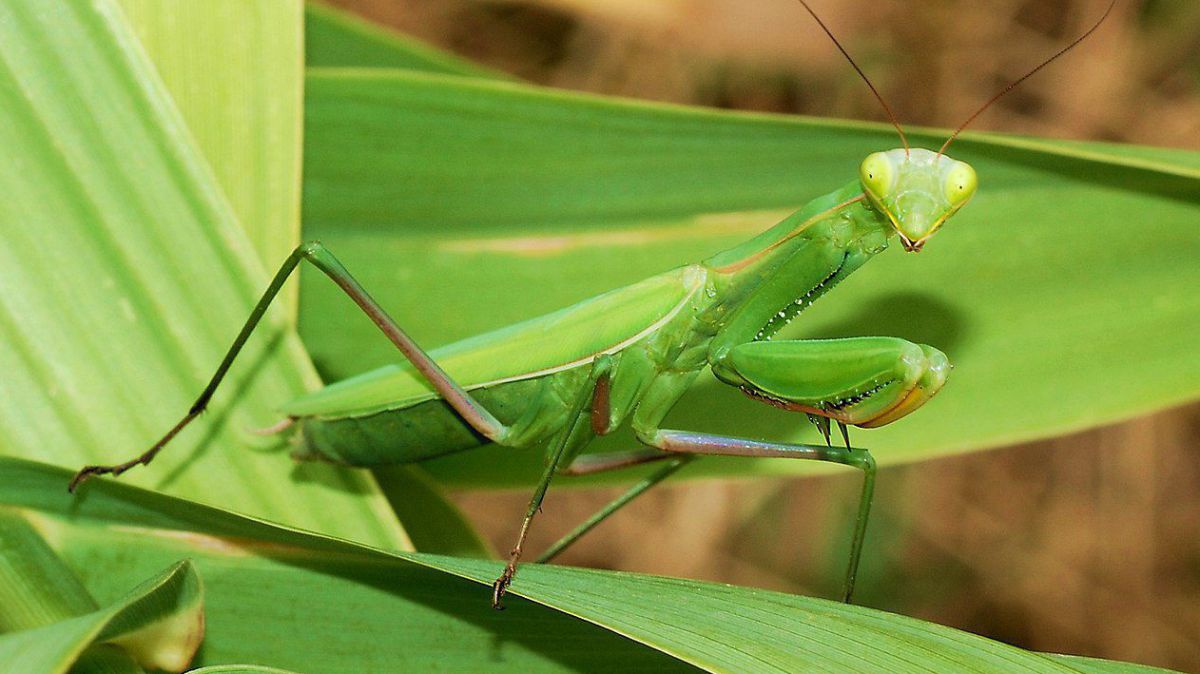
(316, 254)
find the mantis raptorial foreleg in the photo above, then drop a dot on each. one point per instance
(471, 411)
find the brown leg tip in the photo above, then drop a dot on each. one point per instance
(81, 477)
(500, 587)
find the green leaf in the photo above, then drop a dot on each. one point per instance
(337, 38)
(123, 277)
(235, 71)
(159, 624)
(35, 587)
(1062, 293)
(264, 580)
(306, 603)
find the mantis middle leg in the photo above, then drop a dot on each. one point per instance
(590, 403)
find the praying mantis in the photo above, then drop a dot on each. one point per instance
(626, 357)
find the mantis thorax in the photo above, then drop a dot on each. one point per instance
(763, 284)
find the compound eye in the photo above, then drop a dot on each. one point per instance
(960, 184)
(876, 174)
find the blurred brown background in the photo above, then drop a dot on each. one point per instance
(1088, 544)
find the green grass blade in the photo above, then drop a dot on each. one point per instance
(124, 276)
(295, 601)
(534, 198)
(235, 71)
(714, 627)
(37, 590)
(160, 624)
(334, 37)
(105, 659)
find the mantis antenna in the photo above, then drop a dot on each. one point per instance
(1026, 76)
(888, 110)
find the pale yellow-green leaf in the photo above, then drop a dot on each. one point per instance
(124, 275)
(235, 71)
(159, 625)
(335, 37)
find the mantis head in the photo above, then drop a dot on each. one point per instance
(917, 190)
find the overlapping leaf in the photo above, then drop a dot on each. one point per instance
(124, 274)
(234, 70)
(408, 611)
(49, 623)
(333, 37)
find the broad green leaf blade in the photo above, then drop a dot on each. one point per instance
(37, 590)
(335, 37)
(235, 71)
(124, 276)
(269, 591)
(160, 624)
(1061, 293)
(105, 659)
(714, 627)
(794, 633)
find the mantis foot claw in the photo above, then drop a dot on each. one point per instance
(500, 587)
(145, 458)
(87, 472)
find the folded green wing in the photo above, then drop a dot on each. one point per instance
(556, 341)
